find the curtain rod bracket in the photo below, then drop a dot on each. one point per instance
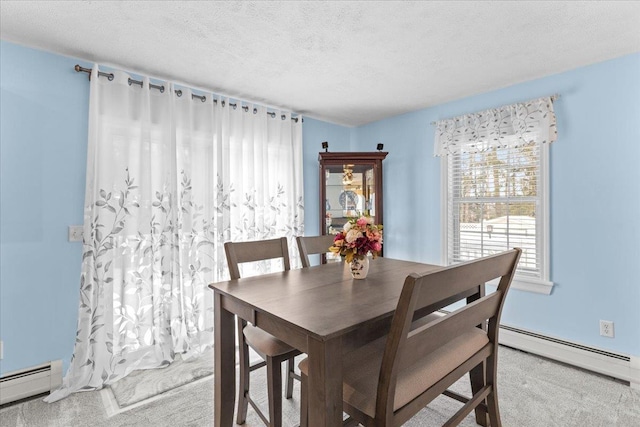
(80, 69)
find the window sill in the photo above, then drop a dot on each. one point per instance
(535, 286)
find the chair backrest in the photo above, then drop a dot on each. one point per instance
(426, 293)
(259, 250)
(311, 245)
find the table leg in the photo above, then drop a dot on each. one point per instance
(224, 364)
(325, 382)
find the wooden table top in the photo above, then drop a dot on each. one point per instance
(325, 301)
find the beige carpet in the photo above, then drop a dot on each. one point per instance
(534, 392)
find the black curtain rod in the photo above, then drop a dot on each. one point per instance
(178, 92)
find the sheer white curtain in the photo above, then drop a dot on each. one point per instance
(169, 180)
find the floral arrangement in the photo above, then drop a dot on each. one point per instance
(358, 237)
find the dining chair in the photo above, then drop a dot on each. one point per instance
(272, 350)
(388, 381)
(311, 245)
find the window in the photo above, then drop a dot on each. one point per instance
(495, 183)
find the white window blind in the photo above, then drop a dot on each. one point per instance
(496, 204)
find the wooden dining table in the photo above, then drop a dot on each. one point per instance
(321, 310)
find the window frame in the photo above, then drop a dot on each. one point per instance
(542, 285)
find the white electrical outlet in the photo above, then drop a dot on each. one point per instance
(606, 328)
(75, 233)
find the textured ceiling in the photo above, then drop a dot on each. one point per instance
(348, 63)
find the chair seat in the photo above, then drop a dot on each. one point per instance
(266, 344)
(362, 367)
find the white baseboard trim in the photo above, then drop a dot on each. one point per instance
(620, 366)
(30, 382)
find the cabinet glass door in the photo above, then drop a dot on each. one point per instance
(350, 192)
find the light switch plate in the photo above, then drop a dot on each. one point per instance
(75, 233)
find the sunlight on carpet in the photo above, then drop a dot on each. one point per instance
(144, 384)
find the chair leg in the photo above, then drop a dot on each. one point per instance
(477, 377)
(492, 398)
(274, 388)
(304, 401)
(290, 372)
(243, 389)
(494, 411)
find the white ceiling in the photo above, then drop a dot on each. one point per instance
(348, 63)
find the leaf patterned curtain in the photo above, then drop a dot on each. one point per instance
(513, 125)
(170, 178)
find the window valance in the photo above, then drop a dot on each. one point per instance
(512, 125)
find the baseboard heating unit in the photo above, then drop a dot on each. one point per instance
(620, 366)
(30, 382)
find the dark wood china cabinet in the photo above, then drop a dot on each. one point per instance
(350, 185)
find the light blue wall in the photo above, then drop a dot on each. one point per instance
(595, 199)
(314, 132)
(595, 209)
(595, 203)
(43, 131)
(411, 185)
